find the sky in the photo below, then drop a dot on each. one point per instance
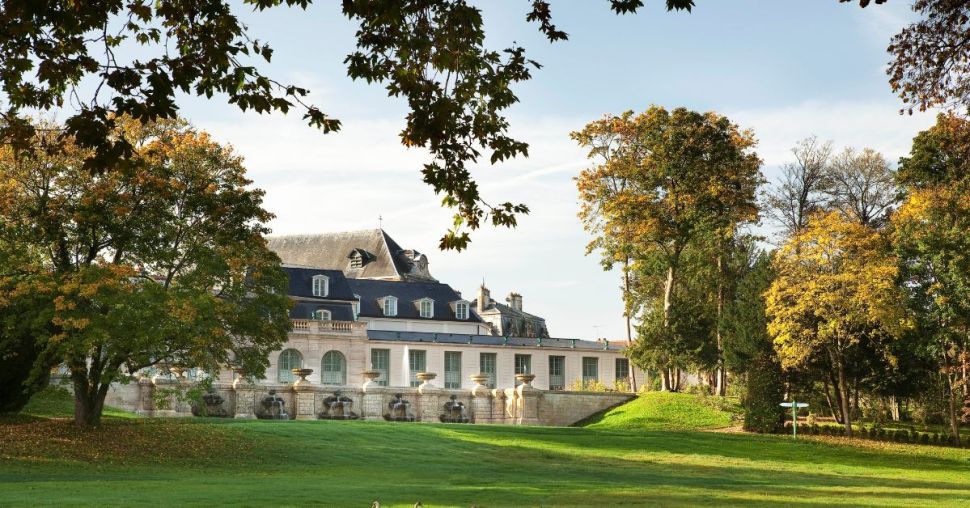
(786, 69)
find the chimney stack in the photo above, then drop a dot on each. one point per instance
(484, 298)
(515, 301)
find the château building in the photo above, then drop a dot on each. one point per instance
(362, 302)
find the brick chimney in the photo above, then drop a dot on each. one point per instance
(484, 298)
(515, 301)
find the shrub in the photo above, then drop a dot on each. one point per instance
(765, 388)
(924, 438)
(592, 385)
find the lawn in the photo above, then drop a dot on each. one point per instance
(212, 461)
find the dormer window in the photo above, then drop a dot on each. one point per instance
(461, 310)
(389, 304)
(320, 315)
(426, 307)
(356, 306)
(321, 285)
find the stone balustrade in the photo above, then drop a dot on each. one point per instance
(356, 328)
(522, 405)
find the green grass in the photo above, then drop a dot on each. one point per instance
(664, 411)
(256, 463)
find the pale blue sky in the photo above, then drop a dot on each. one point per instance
(785, 68)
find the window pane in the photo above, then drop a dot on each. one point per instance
(557, 372)
(452, 369)
(622, 369)
(334, 371)
(523, 365)
(380, 360)
(487, 366)
(418, 363)
(289, 359)
(590, 369)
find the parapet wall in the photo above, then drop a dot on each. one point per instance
(523, 405)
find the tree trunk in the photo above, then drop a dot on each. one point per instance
(721, 383)
(894, 408)
(844, 393)
(88, 403)
(669, 294)
(626, 314)
(951, 391)
(665, 379)
(833, 405)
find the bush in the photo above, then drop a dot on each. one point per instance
(588, 386)
(764, 391)
(925, 439)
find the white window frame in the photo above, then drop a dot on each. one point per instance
(321, 315)
(356, 307)
(321, 286)
(292, 359)
(462, 310)
(430, 303)
(389, 306)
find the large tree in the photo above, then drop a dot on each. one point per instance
(664, 180)
(863, 185)
(835, 286)
(802, 189)
(159, 260)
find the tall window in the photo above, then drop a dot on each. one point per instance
(622, 369)
(390, 306)
(380, 360)
(289, 359)
(356, 307)
(486, 363)
(523, 365)
(333, 369)
(461, 310)
(427, 308)
(320, 315)
(418, 362)
(557, 372)
(321, 285)
(452, 369)
(591, 369)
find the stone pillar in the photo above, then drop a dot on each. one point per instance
(146, 392)
(428, 398)
(372, 398)
(305, 407)
(527, 400)
(481, 410)
(245, 395)
(164, 402)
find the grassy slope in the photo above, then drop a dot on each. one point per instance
(196, 461)
(662, 411)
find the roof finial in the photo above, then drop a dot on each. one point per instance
(380, 222)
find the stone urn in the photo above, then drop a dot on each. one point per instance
(240, 379)
(525, 379)
(479, 379)
(370, 378)
(302, 374)
(425, 378)
(178, 373)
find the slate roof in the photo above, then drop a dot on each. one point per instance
(407, 293)
(489, 340)
(338, 311)
(301, 283)
(384, 259)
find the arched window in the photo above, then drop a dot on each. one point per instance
(321, 285)
(333, 368)
(320, 315)
(289, 359)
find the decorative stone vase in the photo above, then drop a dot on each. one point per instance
(240, 379)
(178, 372)
(525, 379)
(479, 379)
(424, 377)
(370, 379)
(302, 373)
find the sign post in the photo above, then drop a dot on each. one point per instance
(794, 415)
